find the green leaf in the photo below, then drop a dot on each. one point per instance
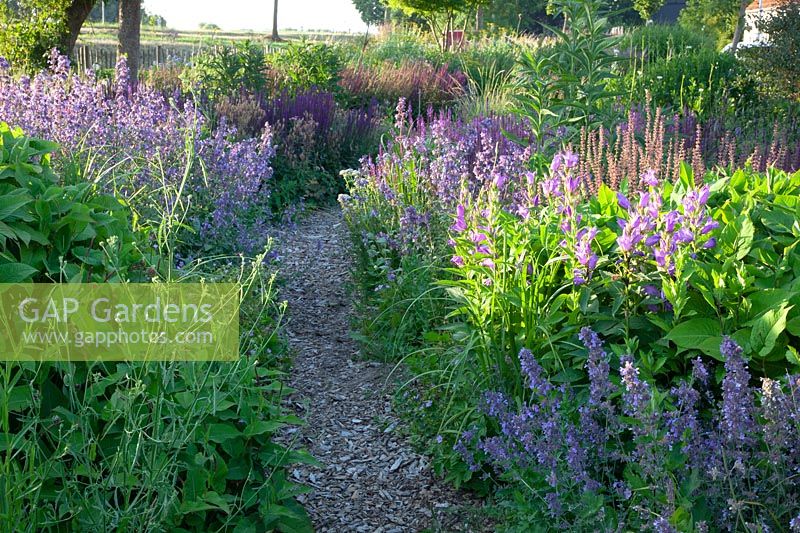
(766, 329)
(693, 333)
(261, 427)
(16, 272)
(222, 432)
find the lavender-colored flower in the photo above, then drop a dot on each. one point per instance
(4, 64)
(460, 224)
(684, 235)
(699, 371)
(571, 184)
(737, 396)
(623, 201)
(550, 188)
(662, 525)
(534, 373)
(488, 263)
(597, 366)
(637, 392)
(649, 178)
(457, 260)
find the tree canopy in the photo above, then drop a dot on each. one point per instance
(372, 11)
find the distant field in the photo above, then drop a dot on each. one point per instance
(97, 43)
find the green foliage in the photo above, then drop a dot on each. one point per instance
(372, 11)
(51, 231)
(681, 69)
(566, 86)
(646, 8)
(303, 65)
(29, 29)
(153, 446)
(776, 64)
(714, 18)
(227, 69)
(134, 446)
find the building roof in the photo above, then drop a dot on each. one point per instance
(765, 4)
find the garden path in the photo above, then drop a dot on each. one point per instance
(371, 479)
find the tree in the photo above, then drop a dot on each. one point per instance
(31, 28)
(77, 11)
(716, 18)
(440, 15)
(372, 11)
(739, 31)
(130, 21)
(275, 36)
(647, 8)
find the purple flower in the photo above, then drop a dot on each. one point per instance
(478, 238)
(500, 181)
(699, 371)
(737, 396)
(457, 260)
(571, 184)
(710, 243)
(684, 235)
(488, 263)
(534, 373)
(624, 203)
(637, 392)
(460, 224)
(550, 187)
(710, 226)
(4, 64)
(558, 161)
(650, 178)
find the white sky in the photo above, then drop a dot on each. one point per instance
(256, 15)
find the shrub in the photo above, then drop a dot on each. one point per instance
(306, 65)
(225, 69)
(59, 232)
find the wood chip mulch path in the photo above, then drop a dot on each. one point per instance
(371, 479)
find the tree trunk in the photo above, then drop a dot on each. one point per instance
(275, 36)
(739, 33)
(130, 22)
(77, 11)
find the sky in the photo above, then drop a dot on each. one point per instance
(256, 15)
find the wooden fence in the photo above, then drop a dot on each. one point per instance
(104, 55)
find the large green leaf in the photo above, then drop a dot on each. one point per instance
(16, 272)
(767, 328)
(693, 333)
